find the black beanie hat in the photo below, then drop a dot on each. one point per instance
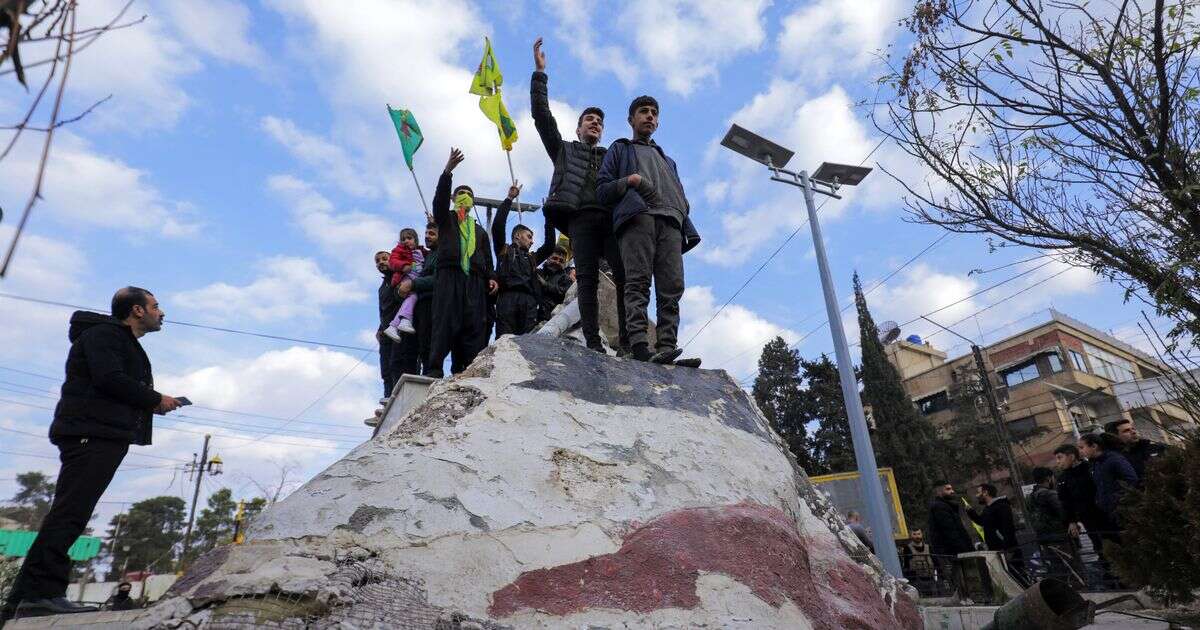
(642, 100)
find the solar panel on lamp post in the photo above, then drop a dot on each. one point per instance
(827, 180)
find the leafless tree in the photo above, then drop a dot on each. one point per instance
(40, 24)
(281, 486)
(1060, 125)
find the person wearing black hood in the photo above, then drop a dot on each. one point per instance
(107, 403)
(121, 600)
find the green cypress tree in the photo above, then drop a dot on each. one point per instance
(904, 440)
(777, 392)
(821, 401)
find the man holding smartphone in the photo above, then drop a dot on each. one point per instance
(107, 403)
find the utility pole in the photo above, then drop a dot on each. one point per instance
(212, 467)
(989, 394)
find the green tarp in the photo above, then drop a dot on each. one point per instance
(16, 542)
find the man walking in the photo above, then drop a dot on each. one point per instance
(106, 405)
(464, 277)
(650, 218)
(572, 206)
(1138, 450)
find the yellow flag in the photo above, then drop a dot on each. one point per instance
(486, 83)
(487, 79)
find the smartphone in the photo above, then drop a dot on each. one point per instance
(183, 401)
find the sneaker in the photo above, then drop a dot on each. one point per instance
(52, 606)
(405, 326)
(640, 352)
(665, 357)
(688, 363)
(392, 333)
(624, 351)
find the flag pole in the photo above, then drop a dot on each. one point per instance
(428, 216)
(513, 177)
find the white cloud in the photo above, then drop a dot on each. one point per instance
(327, 159)
(577, 28)
(219, 28)
(43, 267)
(85, 187)
(684, 41)
(733, 340)
(845, 36)
(288, 288)
(352, 238)
(820, 129)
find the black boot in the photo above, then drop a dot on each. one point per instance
(666, 357)
(641, 352)
(693, 362)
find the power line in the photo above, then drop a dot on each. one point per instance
(194, 325)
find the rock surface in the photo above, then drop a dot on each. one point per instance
(549, 486)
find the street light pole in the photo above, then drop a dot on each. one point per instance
(864, 453)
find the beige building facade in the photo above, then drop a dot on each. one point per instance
(1053, 382)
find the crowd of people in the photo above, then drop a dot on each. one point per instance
(623, 207)
(1080, 498)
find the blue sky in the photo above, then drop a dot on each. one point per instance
(245, 170)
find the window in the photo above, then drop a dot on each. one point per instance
(1055, 362)
(933, 403)
(1020, 373)
(1021, 429)
(1077, 360)
(1110, 366)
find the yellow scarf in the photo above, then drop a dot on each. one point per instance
(466, 229)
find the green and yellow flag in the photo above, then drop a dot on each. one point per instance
(409, 132)
(486, 83)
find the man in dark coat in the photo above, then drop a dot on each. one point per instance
(999, 527)
(518, 304)
(464, 277)
(947, 535)
(1111, 472)
(1077, 492)
(1138, 450)
(389, 303)
(423, 286)
(106, 405)
(572, 206)
(556, 280)
(651, 219)
(1048, 519)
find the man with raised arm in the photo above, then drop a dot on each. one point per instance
(516, 271)
(571, 204)
(464, 277)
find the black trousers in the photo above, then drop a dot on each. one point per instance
(88, 466)
(652, 249)
(461, 324)
(423, 322)
(404, 357)
(516, 313)
(592, 238)
(386, 347)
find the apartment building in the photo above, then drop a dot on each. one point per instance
(1056, 376)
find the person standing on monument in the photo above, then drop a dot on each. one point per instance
(516, 271)
(650, 217)
(106, 404)
(464, 277)
(389, 305)
(572, 206)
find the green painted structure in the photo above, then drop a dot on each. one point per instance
(16, 542)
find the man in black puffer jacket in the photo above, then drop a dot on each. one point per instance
(106, 405)
(571, 205)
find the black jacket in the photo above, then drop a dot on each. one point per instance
(554, 288)
(1113, 475)
(947, 535)
(389, 302)
(1046, 515)
(1077, 493)
(516, 269)
(573, 185)
(449, 248)
(999, 529)
(1141, 453)
(109, 389)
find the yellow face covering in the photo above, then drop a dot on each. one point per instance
(463, 203)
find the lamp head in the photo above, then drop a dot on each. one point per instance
(756, 147)
(840, 174)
